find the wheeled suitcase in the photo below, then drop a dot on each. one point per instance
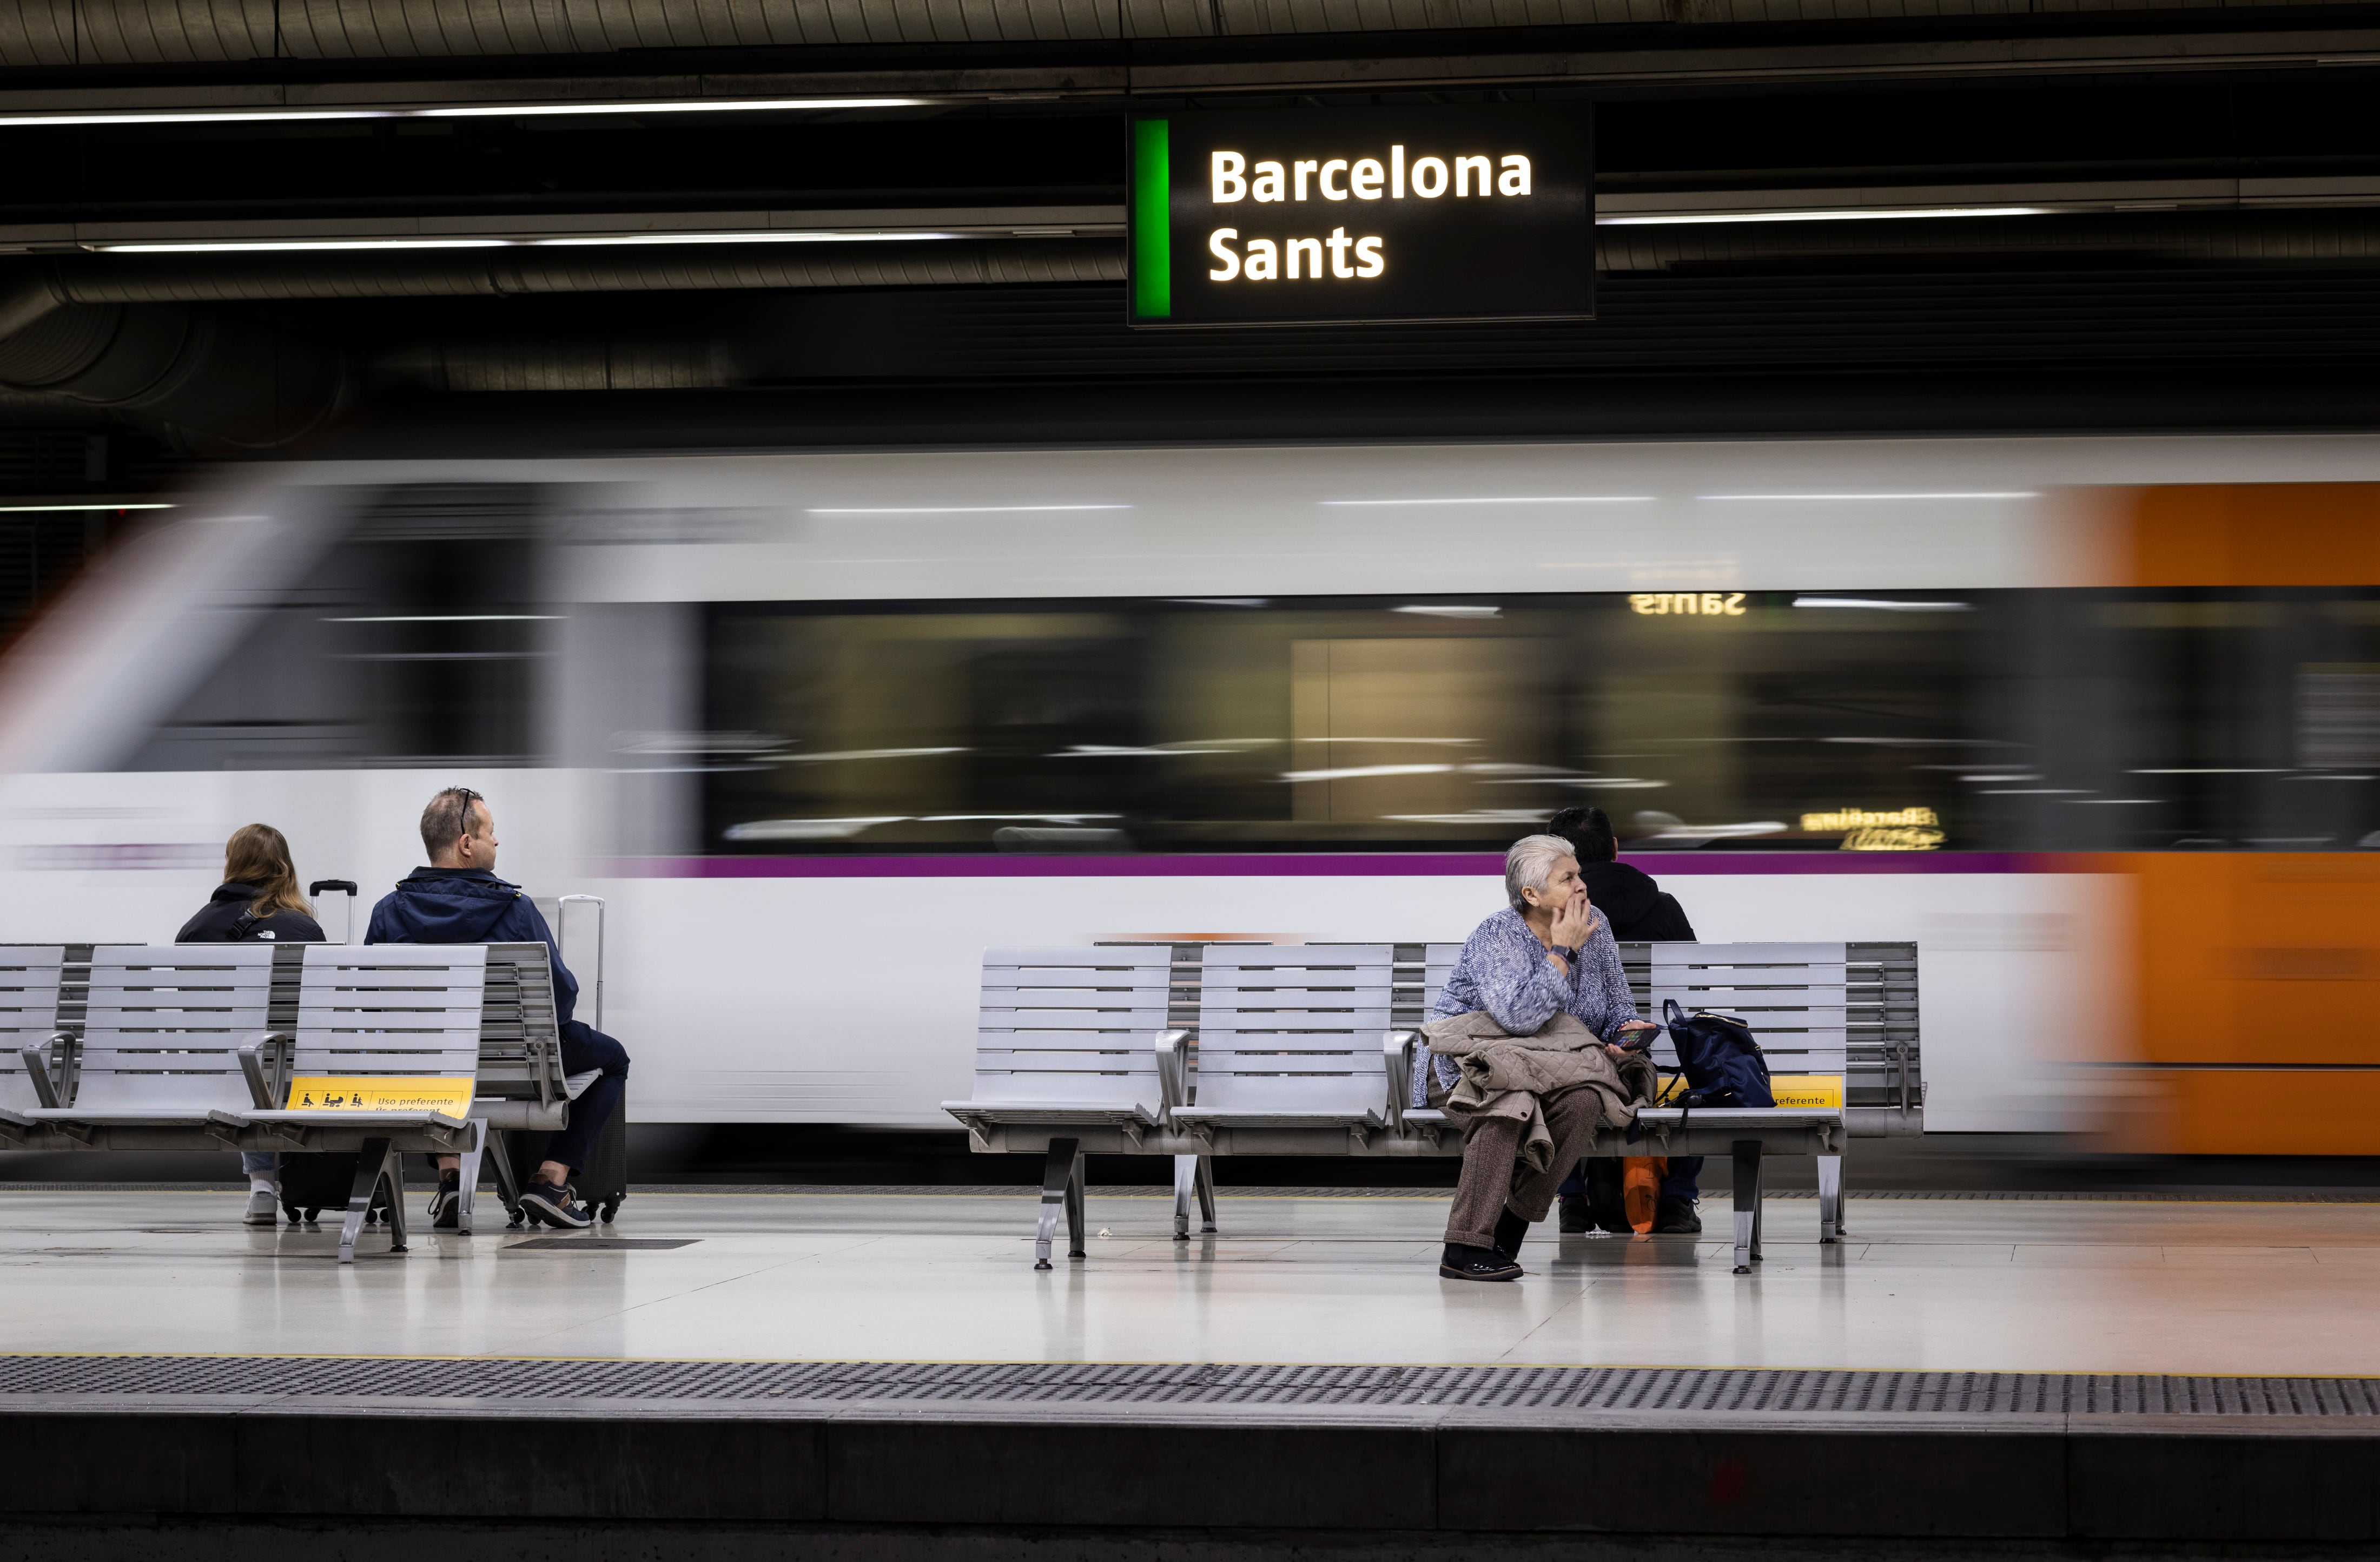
(312, 1183)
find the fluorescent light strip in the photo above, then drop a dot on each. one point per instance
(1882, 605)
(265, 246)
(452, 618)
(967, 510)
(259, 246)
(1844, 214)
(470, 111)
(755, 236)
(1773, 498)
(1547, 499)
(49, 510)
(689, 105)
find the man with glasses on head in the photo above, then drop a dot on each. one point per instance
(459, 899)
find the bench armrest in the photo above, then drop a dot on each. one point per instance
(36, 1059)
(1396, 1057)
(251, 1063)
(1172, 1071)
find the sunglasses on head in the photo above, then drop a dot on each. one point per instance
(463, 798)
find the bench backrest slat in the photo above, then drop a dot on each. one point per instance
(1073, 1027)
(1294, 1028)
(165, 1023)
(1793, 995)
(398, 1010)
(519, 1027)
(1796, 997)
(29, 1014)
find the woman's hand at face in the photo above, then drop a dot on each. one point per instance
(1574, 924)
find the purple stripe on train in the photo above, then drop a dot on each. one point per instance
(1316, 864)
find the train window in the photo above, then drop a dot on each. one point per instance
(417, 639)
(2029, 720)
(1239, 723)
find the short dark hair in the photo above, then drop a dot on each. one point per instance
(1589, 832)
(447, 819)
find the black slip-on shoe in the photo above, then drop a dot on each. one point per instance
(556, 1205)
(1459, 1262)
(446, 1205)
(1511, 1232)
(1676, 1217)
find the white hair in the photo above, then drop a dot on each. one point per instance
(1530, 864)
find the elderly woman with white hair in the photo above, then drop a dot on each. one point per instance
(1527, 1052)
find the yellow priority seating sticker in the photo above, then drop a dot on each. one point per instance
(367, 1092)
(1810, 1091)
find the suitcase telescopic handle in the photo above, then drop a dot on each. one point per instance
(345, 887)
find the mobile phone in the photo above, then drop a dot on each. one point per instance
(1636, 1039)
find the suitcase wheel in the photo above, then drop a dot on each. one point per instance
(313, 1216)
(610, 1208)
(294, 1213)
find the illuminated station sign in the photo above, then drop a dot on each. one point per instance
(1352, 214)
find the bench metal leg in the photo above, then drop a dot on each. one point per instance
(375, 1162)
(395, 1159)
(1060, 1175)
(470, 1174)
(1074, 1208)
(1193, 1178)
(1830, 1197)
(1747, 1204)
(507, 1186)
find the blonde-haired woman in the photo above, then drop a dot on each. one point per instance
(259, 898)
(258, 901)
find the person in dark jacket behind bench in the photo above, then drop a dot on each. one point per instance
(459, 899)
(257, 903)
(1639, 912)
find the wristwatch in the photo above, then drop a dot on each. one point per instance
(1569, 956)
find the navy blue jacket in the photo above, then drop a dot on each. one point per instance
(469, 905)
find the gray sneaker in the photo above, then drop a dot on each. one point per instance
(264, 1208)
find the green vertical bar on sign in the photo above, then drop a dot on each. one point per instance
(1152, 222)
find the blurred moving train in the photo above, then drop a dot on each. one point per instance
(2096, 722)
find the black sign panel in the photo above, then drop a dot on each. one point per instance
(1453, 213)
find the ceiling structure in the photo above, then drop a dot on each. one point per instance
(256, 227)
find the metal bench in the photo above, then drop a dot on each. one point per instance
(441, 1048)
(1315, 1049)
(1074, 1052)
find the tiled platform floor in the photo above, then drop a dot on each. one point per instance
(1967, 1284)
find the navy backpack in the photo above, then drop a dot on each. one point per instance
(1724, 1066)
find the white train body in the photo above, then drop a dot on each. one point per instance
(841, 987)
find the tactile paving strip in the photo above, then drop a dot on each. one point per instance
(956, 1386)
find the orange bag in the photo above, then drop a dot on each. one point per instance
(1640, 1188)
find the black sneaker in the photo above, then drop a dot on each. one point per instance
(446, 1205)
(1676, 1217)
(1574, 1217)
(1460, 1263)
(555, 1204)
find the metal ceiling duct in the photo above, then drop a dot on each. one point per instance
(39, 34)
(205, 383)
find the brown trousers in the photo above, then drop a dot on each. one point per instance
(1492, 1152)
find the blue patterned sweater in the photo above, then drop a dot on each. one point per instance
(1504, 972)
